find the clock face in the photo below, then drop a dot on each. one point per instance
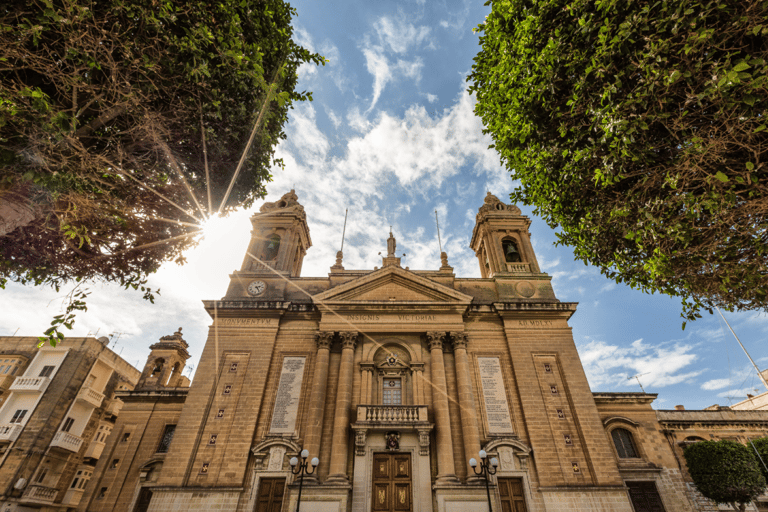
(257, 287)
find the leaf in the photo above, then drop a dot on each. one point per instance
(750, 166)
(722, 177)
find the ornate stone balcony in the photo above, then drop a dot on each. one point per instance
(39, 495)
(519, 268)
(67, 441)
(90, 396)
(94, 450)
(9, 432)
(30, 384)
(386, 415)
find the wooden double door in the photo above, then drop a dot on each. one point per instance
(645, 497)
(392, 482)
(512, 495)
(270, 497)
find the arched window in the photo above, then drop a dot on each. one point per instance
(273, 245)
(159, 363)
(511, 252)
(625, 446)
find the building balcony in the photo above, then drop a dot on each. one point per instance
(67, 441)
(72, 497)
(39, 495)
(391, 415)
(9, 432)
(519, 268)
(94, 450)
(91, 397)
(113, 409)
(30, 384)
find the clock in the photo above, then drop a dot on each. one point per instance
(257, 287)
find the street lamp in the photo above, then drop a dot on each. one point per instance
(486, 469)
(302, 470)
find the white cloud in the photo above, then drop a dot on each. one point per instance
(611, 366)
(431, 98)
(397, 35)
(715, 384)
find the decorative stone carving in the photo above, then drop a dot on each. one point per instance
(491, 203)
(348, 339)
(459, 340)
(393, 441)
(276, 456)
(435, 340)
(324, 340)
(360, 434)
(525, 289)
(289, 200)
(423, 442)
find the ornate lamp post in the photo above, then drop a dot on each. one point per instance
(486, 469)
(301, 469)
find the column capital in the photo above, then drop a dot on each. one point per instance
(348, 339)
(435, 340)
(324, 339)
(459, 340)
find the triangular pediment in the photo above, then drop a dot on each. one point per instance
(393, 285)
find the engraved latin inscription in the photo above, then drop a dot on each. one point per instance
(287, 399)
(494, 396)
(245, 321)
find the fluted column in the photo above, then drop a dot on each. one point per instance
(317, 397)
(445, 468)
(466, 397)
(338, 470)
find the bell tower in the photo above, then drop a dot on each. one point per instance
(279, 238)
(501, 240)
(165, 363)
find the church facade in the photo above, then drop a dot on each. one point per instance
(393, 379)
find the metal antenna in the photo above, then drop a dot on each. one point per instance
(638, 379)
(744, 349)
(439, 243)
(343, 233)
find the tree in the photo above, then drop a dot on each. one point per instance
(760, 446)
(639, 129)
(122, 123)
(725, 472)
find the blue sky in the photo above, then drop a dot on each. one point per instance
(391, 136)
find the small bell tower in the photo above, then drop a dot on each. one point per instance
(279, 238)
(165, 363)
(501, 240)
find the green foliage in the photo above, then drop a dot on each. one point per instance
(724, 471)
(122, 122)
(638, 129)
(761, 447)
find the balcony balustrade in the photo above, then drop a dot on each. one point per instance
(39, 495)
(30, 384)
(519, 268)
(9, 432)
(90, 396)
(67, 441)
(403, 415)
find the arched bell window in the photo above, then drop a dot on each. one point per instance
(273, 245)
(511, 252)
(159, 363)
(625, 445)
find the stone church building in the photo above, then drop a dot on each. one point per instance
(394, 379)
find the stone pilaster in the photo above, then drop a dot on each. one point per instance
(338, 470)
(469, 427)
(446, 474)
(317, 401)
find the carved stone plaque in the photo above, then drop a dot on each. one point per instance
(494, 396)
(288, 393)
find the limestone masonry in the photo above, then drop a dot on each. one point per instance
(393, 378)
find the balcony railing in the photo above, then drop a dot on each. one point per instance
(519, 268)
(391, 414)
(39, 494)
(90, 396)
(67, 441)
(30, 384)
(10, 431)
